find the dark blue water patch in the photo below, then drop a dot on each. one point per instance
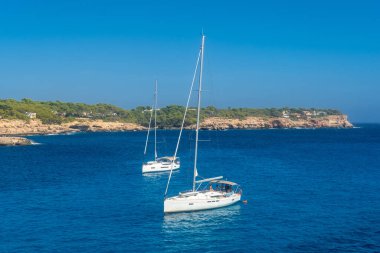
(307, 191)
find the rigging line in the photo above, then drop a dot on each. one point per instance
(183, 122)
(147, 135)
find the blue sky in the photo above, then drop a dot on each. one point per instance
(258, 53)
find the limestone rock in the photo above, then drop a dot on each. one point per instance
(331, 121)
(14, 141)
(20, 127)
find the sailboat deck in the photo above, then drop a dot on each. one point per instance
(206, 194)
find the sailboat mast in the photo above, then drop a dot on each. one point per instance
(198, 112)
(155, 122)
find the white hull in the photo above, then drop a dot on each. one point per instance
(155, 166)
(196, 201)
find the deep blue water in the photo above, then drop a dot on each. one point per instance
(307, 191)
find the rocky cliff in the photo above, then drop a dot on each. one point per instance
(332, 121)
(20, 127)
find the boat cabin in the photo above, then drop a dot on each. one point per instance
(168, 159)
(223, 186)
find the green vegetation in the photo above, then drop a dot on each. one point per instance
(58, 112)
(167, 117)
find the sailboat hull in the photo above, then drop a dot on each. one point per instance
(154, 166)
(198, 202)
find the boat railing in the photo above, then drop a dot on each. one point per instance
(187, 193)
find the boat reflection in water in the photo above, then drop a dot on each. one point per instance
(158, 175)
(212, 230)
(187, 221)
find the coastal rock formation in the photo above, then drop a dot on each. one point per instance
(21, 127)
(332, 121)
(101, 126)
(14, 141)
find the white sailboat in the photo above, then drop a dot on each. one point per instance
(207, 193)
(159, 164)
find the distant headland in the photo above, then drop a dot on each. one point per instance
(27, 117)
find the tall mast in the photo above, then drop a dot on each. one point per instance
(199, 112)
(155, 122)
(150, 124)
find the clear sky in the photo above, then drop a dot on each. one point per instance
(258, 53)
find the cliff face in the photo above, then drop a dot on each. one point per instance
(20, 127)
(332, 121)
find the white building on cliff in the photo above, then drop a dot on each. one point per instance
(31, 115)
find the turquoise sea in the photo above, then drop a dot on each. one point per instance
(307, 191)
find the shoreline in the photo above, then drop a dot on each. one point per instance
(24, 139)
(177, 129)
(36, 127)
